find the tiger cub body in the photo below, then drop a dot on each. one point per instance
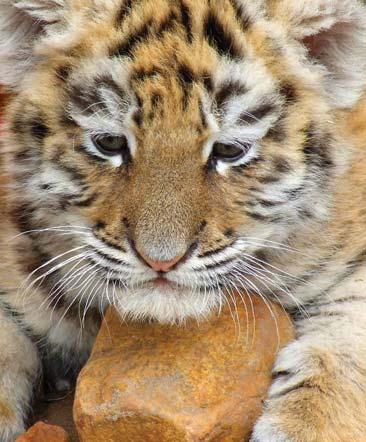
(159, 154)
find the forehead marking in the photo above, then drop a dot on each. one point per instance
(124, 10)
(241, 14)
(152, 29)
(127, 46)
(186, 20)
(228, 90)
(220, 38)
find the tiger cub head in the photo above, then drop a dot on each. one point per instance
(175, 140)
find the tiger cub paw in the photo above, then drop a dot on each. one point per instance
(299, 407)
(11, 426)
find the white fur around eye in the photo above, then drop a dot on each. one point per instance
(223, 166)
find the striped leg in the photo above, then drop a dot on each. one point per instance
(319, 391)
(19, 366)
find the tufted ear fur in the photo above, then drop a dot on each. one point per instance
(334, 33)
(21, 24)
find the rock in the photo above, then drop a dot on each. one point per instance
(200, 382)
(41, 432)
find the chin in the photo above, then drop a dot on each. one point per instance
(167, 304)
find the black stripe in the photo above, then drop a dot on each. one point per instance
(31, 262)
(263, 110)
(218, 250)
(138, 117)
(127, 47)
(207, 81)
(63, 72)
(168, 24)
(38, 128)
(108, 82)
(17, 125)
(281, 165)
(344, 300)
(269, 179)
(241, 15)
(18, 318)
(288, 91)
(186, 20)
(74, 174)
(229, 233)
(266, 203)
(86, 100)
(123, 12)
(300, 386)
(114, 246)
(202, 226)
(296, 193)
(277, 132)
(260, 112)
(305, 214)
(212, 252)
(156, 99)
(108, 242)
(316, 149)
(203, 115)
(24, 155)
(21, 215)
(217, 264)
(357, 260)
(186, 75)
(85, 202)
(257, 216)
(143, 74)
(139, 100)
(66, 120)
(106, 271)
(100, 225)
(109, 258)
(324, 315)
(218, 37)
(229, 89)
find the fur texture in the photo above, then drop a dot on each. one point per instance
(180, 84)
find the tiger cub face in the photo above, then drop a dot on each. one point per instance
(178, 138)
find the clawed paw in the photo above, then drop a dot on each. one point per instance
(297, 400)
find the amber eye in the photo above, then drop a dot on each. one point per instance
(109, 145)
(229, 152)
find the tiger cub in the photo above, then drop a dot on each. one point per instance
(158, 154)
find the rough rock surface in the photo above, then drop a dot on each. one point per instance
(41, 432)
(206, 382)
(57, 412)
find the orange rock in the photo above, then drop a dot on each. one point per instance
(206, 382)
(41, 432)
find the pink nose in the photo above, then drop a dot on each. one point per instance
(162, 266)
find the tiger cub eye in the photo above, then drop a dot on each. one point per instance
(229, 152)
(110, 145)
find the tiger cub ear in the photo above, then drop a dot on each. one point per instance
(22, 23)
(49, 11)
(334, 33)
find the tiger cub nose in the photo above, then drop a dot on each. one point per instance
(162, 266)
